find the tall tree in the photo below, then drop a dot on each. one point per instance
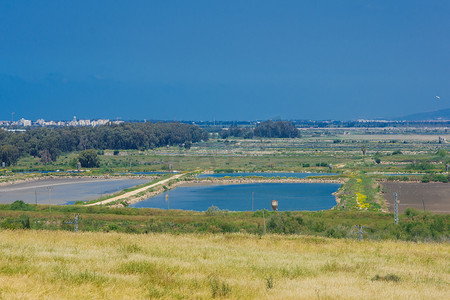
(89, 159)
(9, 154)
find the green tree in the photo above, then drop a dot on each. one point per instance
(89, 159)
(364, 149)
(73, 163)
(9, 154)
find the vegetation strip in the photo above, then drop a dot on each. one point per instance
(413, 225)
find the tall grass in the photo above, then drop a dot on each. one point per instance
(57, 264)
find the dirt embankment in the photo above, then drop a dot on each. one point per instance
(209, 181)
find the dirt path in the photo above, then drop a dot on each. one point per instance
(132, 193)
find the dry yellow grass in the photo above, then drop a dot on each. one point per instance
(66, 265)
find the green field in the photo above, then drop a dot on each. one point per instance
(312, 152)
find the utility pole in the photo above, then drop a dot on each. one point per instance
(12, 118)
(49, 188)
(423, 203)
(360, 232)
(75, 223)
(35, 196)
(396, 209)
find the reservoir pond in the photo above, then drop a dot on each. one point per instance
(64, 190)
(238, 197)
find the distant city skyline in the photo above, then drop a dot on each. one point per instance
(230, 60)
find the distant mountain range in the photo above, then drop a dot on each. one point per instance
(442, 114)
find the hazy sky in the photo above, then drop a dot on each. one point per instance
(228, 60)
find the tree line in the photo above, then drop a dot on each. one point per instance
(49, 143)
(269, 129)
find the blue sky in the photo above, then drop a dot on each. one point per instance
(223, 60)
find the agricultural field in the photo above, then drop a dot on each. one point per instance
(433, 196)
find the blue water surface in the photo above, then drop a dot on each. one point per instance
(238, 197)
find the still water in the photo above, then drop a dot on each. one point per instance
(238, 197)
(64, 190)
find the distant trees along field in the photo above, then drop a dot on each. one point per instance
(269, 129)
(49, 143)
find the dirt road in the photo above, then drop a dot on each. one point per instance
(135, 192)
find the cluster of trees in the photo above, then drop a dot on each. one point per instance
(242, 132)
(49, 143)
(269, 129)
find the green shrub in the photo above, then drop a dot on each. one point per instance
(23, 222)
(422, 166)
(284, 222)
(219, 289)
(20, 205)
(389, 277)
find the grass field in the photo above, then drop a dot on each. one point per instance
(65, 265)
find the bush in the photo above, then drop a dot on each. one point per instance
(411, 212)
(224, 171)
(440, 178)
(20, 205)
(441, 153)
(389, 277)
(423, 166)
(214, 211)
(23, 222)
(219, 289)
(284, 222)
(435, 177)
